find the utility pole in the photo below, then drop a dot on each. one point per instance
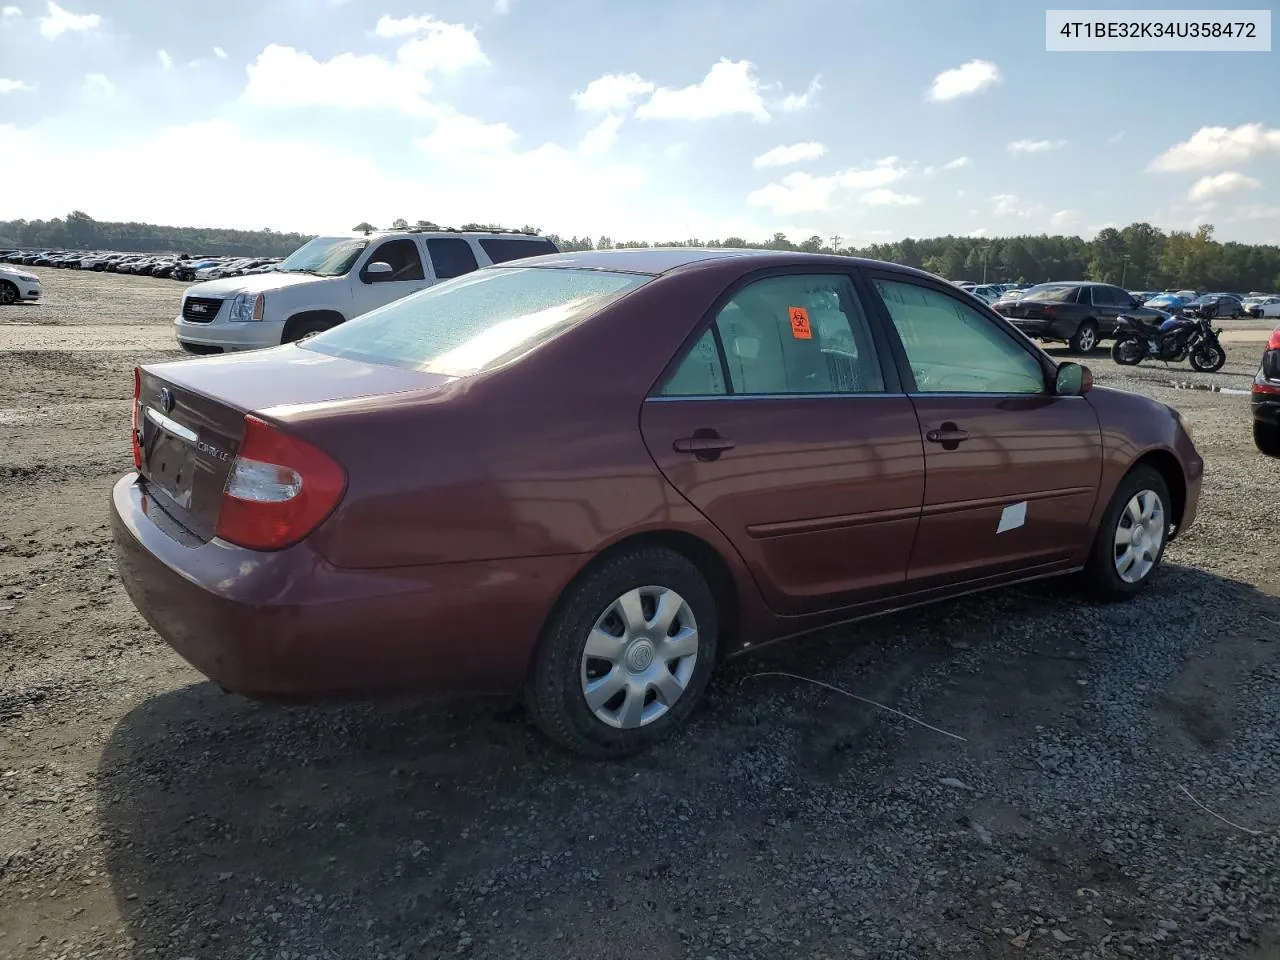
(1125, 271)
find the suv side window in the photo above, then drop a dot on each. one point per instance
(800, 334)
(451, 257)
(402, 255)
(500, 250)
(952, 348)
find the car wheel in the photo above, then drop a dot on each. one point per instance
(626, 656)
(1131, 538)
(8, 293)
(1266, 437)
(305, 330)
(1086, 337)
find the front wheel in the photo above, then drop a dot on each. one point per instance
(1086, 337)
(1208, 357)
(1128, 352)
(8, 293)
(1130, 542)
(627, 654)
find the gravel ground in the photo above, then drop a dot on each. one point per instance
(145, 814)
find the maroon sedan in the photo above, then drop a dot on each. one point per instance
(588, 477)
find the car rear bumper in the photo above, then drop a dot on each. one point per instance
(1266, 406)
(1046, 329)
(290, 626)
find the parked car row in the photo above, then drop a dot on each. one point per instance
(182, 268)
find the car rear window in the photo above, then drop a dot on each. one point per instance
(503, 250)
(476, 321)
(1064, 294)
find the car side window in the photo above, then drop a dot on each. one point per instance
(799, 334)
(403, 256)
(1084, 296)
(952, 348)
(700, 373)
(451, 257)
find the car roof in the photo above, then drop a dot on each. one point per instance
(655, 261)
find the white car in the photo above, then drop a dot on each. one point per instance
(332, 279)
(1268, 307)
(988, 293)
(16, 286)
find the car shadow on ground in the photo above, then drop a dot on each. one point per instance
(427, 828)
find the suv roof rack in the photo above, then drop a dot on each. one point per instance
(523, 233)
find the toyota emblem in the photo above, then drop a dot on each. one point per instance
(166, 399)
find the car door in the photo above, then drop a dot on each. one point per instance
(406, 276)
(1011, 469)
(781, 423)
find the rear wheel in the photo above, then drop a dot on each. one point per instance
(1266, 437)
(1130, 541)
(1086, 337)
(1127, 352)
(626, 656)
(8, 293)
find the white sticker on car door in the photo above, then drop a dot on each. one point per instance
(1012, 517)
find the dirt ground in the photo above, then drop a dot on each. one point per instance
(143, 813)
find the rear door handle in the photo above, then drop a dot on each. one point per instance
(706, 446)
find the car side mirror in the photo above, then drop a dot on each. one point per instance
(1073, 380)
(378, 270)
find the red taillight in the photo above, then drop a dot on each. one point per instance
(137, 395)
(1273, 343)
(279, 489)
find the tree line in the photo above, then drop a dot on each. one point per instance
(1138, 257)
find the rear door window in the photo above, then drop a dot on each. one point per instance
(503, 249)
(451, 257)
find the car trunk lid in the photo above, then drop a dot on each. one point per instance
(191, 416)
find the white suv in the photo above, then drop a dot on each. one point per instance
(332, 279)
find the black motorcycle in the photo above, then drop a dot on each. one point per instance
(1176, 339)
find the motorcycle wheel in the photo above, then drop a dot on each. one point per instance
(1208, 358)
(1127, 352)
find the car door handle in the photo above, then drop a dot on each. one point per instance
(950, 436)
(705, 446)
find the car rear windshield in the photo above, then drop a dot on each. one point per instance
(476, 321)
(1063, 294)
(324, 256)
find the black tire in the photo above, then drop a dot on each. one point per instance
(8, 293)
(1208, 358)
(1266, 437)
(307, 328)
(1128, 351)
(553, 692)
(1101, 578)
(1085, 339)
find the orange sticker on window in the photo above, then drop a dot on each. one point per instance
(800, 323)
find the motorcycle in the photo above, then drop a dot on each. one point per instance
(1176, 339)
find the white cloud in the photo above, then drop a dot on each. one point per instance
(1212, 147)
(729, 88)
(796, 153)
(1064, 219)
(801, 192)
(980, 232)
(955, 164)
(1219, 184)
(502, 7)
(220, 53)
(98, 85)
(285, 77)
(795, 102)
(888, 198)
(15, 86)
(602, 136)
(165, 60)
(1116, 137)
(460, 134)
(59, 21)
(10, 14)
(1008, 205)
(972, 77)
(612, 92)
(446, 48)
(1036, 146)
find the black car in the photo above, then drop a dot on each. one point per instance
(1217, 306)
(1077, 313)
(1265, 399)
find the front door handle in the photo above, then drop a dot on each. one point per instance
(704, 444)
(949, 435)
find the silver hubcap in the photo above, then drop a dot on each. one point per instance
(639, 657)
(1139, 536)
(1087, 339)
